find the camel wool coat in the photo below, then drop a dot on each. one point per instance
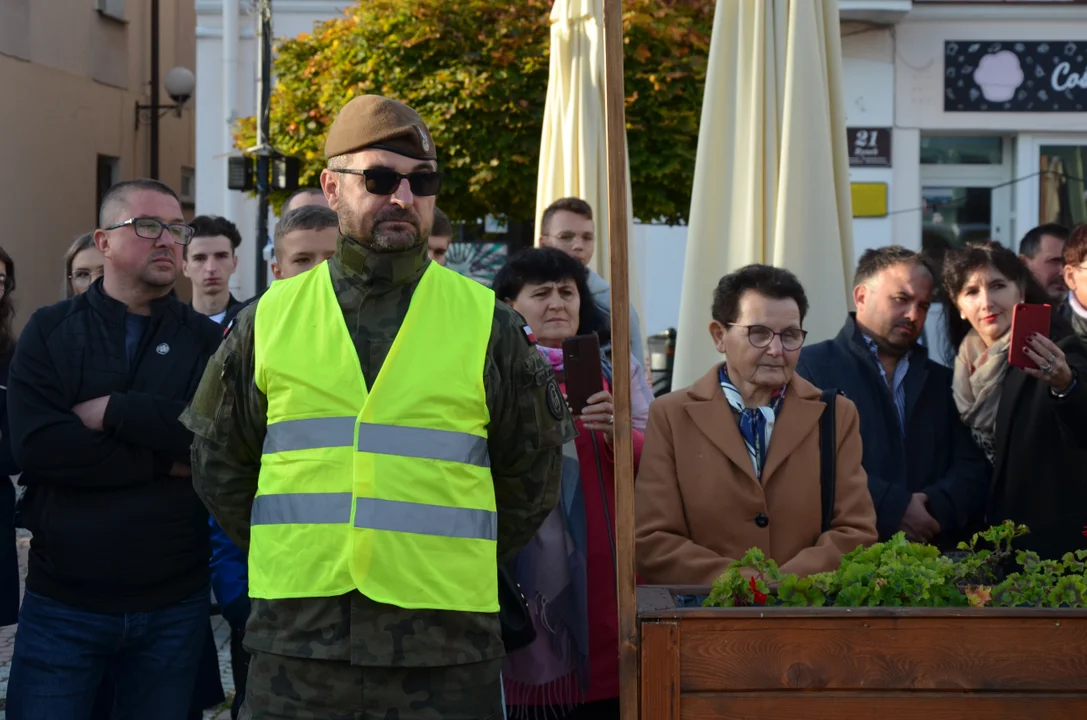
(699, 505)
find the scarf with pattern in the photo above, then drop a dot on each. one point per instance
(979, 376)
(552, 571)
(756, 424)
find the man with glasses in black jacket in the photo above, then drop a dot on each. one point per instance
(118, 572)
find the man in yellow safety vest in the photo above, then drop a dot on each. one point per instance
(380, 434)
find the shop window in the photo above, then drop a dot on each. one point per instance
(953, 150)
(1062, 197)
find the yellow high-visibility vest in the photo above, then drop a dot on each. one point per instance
(385, 490)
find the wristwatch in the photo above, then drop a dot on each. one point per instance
(1067, 390)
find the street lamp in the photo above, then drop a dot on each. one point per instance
(180, 83)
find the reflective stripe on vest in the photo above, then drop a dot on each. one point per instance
(385, 489)
(391, 515)
(316, 433)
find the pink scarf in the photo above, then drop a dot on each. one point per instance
(553, 355)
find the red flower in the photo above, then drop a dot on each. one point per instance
(760, 598)
(1085, 531)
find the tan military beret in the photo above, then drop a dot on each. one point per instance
(372, 121)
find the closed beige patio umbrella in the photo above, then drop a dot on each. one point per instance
(573, 162)
(772, 173)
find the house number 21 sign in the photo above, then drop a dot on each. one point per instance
(869, 147)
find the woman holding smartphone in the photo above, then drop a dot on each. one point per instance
(567, 571)
(1030, 421)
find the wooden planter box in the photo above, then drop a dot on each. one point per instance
(891, 664)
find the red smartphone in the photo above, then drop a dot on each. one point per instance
(1026, 320)
(582, 369)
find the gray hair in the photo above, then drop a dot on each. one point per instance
(307, 217)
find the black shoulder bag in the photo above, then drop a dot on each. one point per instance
(828, 455)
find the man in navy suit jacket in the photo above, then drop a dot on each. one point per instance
(926, 475)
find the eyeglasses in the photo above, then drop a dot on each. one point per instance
(152, 229)
(383, 181)
(761, 336)
(4, 282)
(83, 278)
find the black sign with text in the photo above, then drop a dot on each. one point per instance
(869, 147)
(1009, 76)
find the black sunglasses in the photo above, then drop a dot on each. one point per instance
(383, 181)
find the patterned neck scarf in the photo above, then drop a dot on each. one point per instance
(756, 424)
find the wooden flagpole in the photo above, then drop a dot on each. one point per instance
(614, 104)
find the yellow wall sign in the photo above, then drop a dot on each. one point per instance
(869, 199)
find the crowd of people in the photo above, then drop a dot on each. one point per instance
(372, 470)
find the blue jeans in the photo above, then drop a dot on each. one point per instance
(62, 652)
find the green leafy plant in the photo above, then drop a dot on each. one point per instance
(980, 566)
(802, 592)
(898, 573)
(476, 71)
(735, 588)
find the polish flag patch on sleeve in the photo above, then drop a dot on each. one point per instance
(529, 334)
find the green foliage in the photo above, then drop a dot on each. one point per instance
(735, 589)
(898, 573)
(802, 592)
(476, 71)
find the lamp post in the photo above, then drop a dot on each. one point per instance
(154, 90)
(263, 149)
(180, 83)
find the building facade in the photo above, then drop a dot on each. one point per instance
(73, 73)
(954, 134)
(966, 120)
(226, 66)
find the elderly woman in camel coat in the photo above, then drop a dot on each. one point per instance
(732, 462)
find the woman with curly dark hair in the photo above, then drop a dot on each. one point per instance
(1031, 422)
(9, 561)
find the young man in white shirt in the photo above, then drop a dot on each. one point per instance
(209, 261)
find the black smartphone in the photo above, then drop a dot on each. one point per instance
(583, 370)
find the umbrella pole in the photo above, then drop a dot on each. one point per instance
(615, 137)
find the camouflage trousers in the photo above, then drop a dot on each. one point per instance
(281, 687)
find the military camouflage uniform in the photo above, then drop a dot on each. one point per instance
(316, 657)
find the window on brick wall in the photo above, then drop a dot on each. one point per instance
(111, 8)
(109, 173)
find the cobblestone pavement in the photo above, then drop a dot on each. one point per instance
(7, 646)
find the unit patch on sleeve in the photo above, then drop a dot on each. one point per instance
(555, 404)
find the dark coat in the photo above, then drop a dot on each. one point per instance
(113, 531)
(937, 456)
(1040, 469)
(9, 559)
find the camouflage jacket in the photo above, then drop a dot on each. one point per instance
(228, 417)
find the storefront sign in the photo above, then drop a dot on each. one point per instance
(1013, 76)
(869, 147)
(869, 199)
